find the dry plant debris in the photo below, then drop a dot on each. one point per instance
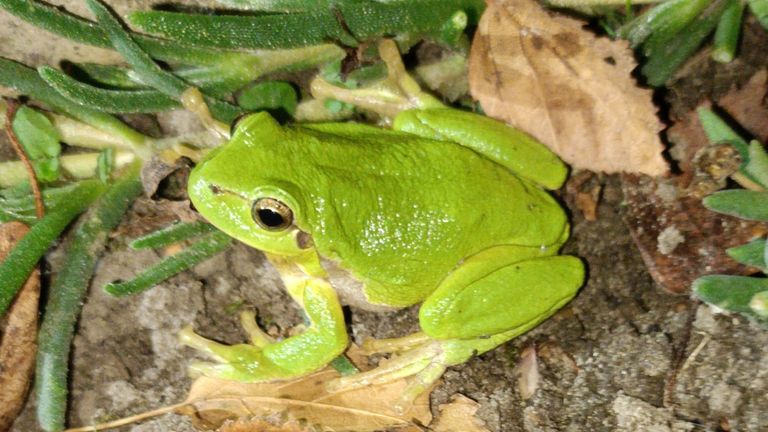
(211, 402)
(678, 238)
(571, 90)
(458, 416)
(18, 346)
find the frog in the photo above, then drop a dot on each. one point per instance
(447, 209)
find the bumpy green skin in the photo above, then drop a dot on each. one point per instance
(450, 211)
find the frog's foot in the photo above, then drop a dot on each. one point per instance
(192, 100)
(265, 359)
(419, 359)
(397, 92)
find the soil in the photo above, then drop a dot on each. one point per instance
(623, 356)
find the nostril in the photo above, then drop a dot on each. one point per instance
(215, 189)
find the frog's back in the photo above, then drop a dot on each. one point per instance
(400, 212)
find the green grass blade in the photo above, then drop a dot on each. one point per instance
(638, 30)
(172, 234)
(205, 248)
(112, 101)
(23, 258)
(67, 294)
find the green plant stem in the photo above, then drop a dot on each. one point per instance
(665, 61)
(727, 32)
(16, 267)
(203, 249)
(67, 294)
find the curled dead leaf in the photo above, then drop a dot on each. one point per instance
(18, 346)
(569, 89)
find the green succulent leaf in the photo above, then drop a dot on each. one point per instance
(745, 204)
(731, 293)
(751, 254)
(757, 166)
(269, 95)
(40, 141)
(759, 9)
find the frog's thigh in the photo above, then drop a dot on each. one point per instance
(497, 292)
(512, 148)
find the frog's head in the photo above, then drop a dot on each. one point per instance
(232, 189)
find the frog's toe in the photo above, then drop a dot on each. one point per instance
(394, 345)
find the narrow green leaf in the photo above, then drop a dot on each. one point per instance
(669, 56)
(245, 32)
(205, 248)
(718, 131)
(26, 81)
(17, 203)
(638, 30)
(732, 293)
(751, 254)
(23, 258)
(670, 24)
(172, 234)
(745, 204)
(81, 30)
(67, 294)
(727, 32)
(112, 101)
(346, 22)
(149, 71)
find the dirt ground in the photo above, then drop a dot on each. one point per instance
(606, 360)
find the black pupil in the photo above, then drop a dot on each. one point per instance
(270, 218)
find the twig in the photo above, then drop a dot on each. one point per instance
(10, 114)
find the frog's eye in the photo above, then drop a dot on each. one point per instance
(272, 214)
(237, 121)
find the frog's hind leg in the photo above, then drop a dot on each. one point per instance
(491, 298)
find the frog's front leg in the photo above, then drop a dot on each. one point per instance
(264, 359)
(491, 298)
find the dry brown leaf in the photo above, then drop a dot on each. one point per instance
(571, 90)
(18, 347)
(458, 416)
(259, 425)
(211, 402)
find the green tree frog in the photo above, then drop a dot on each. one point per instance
(448, 209)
